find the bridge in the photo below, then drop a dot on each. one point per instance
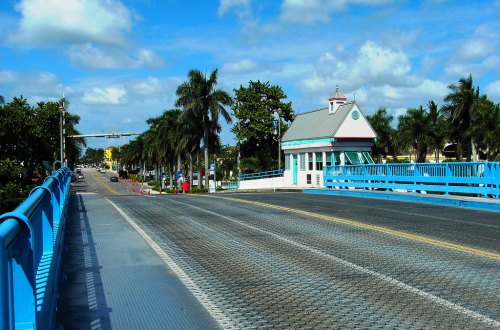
(105, 255)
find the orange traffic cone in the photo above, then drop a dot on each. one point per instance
(160, 191)
(141, 192)
(149, 192)
(133, 188)
(175, 191)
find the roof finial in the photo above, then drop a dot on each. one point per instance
(337, 88)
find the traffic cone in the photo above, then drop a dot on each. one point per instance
(160, 191)
(175, 191)
(133, 188)
(141, 192)
(149, 192)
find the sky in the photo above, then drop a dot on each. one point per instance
(119, 62)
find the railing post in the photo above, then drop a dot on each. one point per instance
(447, 178)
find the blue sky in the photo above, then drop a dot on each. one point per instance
(119, 62)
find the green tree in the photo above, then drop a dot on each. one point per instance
(17, 121)
(486, 127)
(414, 131)
(200, 98)
(381, 122)
(438, 129)
(255, 110)
(93, 156)
(460, 109)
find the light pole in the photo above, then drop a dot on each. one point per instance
(279, 112)
(63, 133)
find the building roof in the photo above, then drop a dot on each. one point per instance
(317, 124)
(337, 95)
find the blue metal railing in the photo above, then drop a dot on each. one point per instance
(459, 178)
(232, 185)
(31, 239)
(261, 175)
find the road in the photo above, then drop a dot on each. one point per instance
(293, 260)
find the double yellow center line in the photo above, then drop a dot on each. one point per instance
(397, 233)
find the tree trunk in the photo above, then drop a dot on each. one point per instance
(170, 175)
(190, 170)
(198, 162)
(474, 150)
(205, 139)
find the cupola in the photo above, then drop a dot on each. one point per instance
(335, 101)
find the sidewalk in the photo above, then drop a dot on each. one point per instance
(114, 280)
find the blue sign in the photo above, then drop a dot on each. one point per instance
(178, 175)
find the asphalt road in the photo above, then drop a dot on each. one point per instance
(293, 260)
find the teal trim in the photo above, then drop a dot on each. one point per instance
(309, 141)
(294, 169)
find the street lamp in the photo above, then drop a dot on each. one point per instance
(280, 113)
(63, 133)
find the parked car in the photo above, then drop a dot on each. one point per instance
(113, 179)
(102, 170)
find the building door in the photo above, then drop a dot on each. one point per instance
(295, 169)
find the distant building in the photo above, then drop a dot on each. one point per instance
(108, 157)
(339, 134)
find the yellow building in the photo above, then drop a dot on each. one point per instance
(108, 157)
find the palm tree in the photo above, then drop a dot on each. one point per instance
(414, 129)
(460, 109)
(381, 123)
(2, 100)
(438, 129)
(200, 98)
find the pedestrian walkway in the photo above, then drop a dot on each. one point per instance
(112, 279)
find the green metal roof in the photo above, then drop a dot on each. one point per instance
(317, 124)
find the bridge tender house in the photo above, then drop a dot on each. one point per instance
(337, 135)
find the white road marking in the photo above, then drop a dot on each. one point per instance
(385, 278)
(215, 311)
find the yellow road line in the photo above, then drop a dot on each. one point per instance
(114, 192)
(401, 234)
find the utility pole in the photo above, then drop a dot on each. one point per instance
(63, 132)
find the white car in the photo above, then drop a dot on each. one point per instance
(102, 170)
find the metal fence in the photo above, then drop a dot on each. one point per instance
(261, 175)
(477, 178)
(31, 239)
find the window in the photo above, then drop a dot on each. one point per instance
(310, 160)
(336, 158)
(287, 162)
(302, 161)
(329, 157)
(353, 158)
(368, 158)
(319, 161)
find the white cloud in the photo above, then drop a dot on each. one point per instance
(473, 49)
(227, 5)
(493, 91)
(8, 76)
(373, 64)
(147, 87)
(105, 96)
(72, 21)
(90, 56)
(244, 65)
(312, 11)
